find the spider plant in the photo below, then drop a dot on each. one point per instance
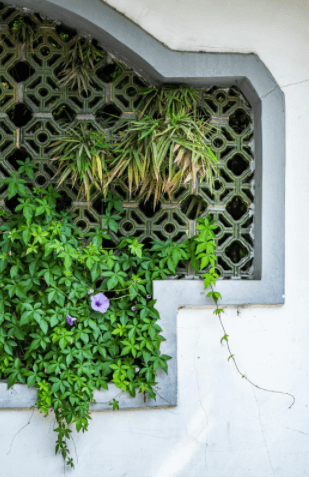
(79, 62)
(83, 156)
(156, 155)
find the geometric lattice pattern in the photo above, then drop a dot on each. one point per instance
(36, 109)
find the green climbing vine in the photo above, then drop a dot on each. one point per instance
(74, 315)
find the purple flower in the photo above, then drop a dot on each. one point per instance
(99, 302)
(136, 370)
(133, 308)
(148, 297)
(70, 320)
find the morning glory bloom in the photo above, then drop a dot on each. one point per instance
(136, 370)
(148, 297)
(133, 308)
(99, 302)
(70, 320)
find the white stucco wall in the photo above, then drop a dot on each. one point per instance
(222, 426)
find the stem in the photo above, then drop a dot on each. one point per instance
(119, 298)
(121, 289)
(56, 288)
(237, 368)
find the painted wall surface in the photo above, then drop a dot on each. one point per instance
(222, 426)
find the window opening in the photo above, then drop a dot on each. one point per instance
(38, 109)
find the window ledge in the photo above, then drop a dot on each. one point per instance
(22, 397)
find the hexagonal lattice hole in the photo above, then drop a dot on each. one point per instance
(64, 114)
(3, 170)
(218, 185)
(236, 251)
(12, 203)
(237, 164)
(108, 115)
(21, 71)
(63, 202)
(148, 208)
(236, 207)
(20, 115)
(193, 206)
(17, 155)
(239, 121)
(203, 113)
(109, 73)
(99, 205)
(65, 33)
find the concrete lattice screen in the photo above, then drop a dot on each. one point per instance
(36, 110)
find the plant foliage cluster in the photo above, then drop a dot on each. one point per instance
(49, 273)
(166, 145)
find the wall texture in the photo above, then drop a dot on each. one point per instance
(222, 427)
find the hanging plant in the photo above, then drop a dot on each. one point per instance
(83, 156)
(79, 63)
(166, 145)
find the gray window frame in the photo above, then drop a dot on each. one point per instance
(158, 64)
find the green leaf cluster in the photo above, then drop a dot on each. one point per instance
(48, 270)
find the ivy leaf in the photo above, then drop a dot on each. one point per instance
(115, 404)
(225, 337)
(95, 271)
(44, 326)
(67, 261)
(204, 262)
